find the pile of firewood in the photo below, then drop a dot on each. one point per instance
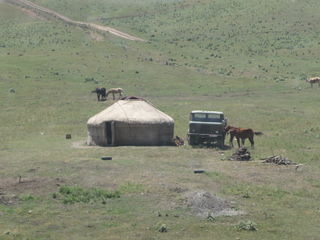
(279, 160)
(242, 154)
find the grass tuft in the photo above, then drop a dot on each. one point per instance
(131, 187)
(26, 197)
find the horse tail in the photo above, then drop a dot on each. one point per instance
(258, 133)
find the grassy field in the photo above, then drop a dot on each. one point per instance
(248, 59)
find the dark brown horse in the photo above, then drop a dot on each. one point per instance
(241, 133)
(101, 92)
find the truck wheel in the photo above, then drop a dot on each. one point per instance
(220, 142)
(192, 140)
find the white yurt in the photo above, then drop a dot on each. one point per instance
(132, 121)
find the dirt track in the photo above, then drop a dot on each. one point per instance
(36, 8)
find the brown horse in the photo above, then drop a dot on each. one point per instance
(241, 133)
(101, 92)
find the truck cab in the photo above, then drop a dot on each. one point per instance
(207, 127)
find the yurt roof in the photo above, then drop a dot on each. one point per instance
(131, 111)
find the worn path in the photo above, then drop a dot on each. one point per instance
(92, 26)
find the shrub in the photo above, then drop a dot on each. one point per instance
(89, 79)
(248, 226)
(70, 195)
(246, 195)
(211, 218)
(27, 197)
(163, 228)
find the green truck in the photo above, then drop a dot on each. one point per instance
(207, 128)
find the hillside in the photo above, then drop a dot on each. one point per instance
(247, 59)
(213, 36)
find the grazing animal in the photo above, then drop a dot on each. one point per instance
(114, 91)
(101, 92)
(241, 133)
(178, 141)
(313, 81)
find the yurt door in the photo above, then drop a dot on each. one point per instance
(109, 132)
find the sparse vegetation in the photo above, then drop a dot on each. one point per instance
(70, 195)
(27, 197)
(246, 58)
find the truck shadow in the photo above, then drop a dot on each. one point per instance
(224, 147)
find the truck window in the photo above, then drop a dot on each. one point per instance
(214, 117)
(199, 117)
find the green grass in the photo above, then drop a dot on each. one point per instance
(71, 195)
(244, 58)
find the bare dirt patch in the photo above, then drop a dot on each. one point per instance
(8, 199)
(32, 14)
(12, 188)
(204, 205)
(83, 145)
(96, 36)
(36, 185)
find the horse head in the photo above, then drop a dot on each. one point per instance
(97, 90)
(227, 128)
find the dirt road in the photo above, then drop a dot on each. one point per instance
(92, 26)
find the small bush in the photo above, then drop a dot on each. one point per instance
(246, 195)
(248, 226)
(27, 197)
(88, 79)
(163, 228)
(70, 195)
(210, 218)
